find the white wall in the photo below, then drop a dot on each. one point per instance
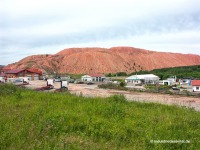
(98, 79)
(167, 82)
(86, 78)
(195, 88)
(91, 79)
(129, 81)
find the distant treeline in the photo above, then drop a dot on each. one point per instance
(164, 73)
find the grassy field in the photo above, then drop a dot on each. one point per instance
(44, 120)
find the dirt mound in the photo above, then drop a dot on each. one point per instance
(101, 60)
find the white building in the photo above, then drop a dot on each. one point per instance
(196, 85)
(86, 78)
(172, 79)
(93, 78)
(142, 79)
(165, 82)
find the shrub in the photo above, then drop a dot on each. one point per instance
(122, 84)
(112, 86)
(119, 98)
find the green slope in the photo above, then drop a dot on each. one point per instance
(180, 72)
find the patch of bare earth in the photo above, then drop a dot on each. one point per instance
(94, 91)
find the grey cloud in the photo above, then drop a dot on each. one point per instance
(166, 22)
(160, 24)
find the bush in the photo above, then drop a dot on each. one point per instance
(106, 86)
(112, 86)
(122, 84)
(119, 98)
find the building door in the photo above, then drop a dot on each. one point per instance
(29, 77)
(36, 77)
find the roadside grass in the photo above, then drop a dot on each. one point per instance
(44, 120)
(75, 76)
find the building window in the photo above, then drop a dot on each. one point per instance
(197, 88)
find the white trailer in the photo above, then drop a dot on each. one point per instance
(49, 82)
(64, 84)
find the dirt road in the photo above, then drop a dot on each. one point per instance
(94, 91)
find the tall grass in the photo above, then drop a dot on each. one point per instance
(44, 120)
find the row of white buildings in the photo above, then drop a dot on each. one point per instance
(93, 78)
(134, 79)
(140, 79)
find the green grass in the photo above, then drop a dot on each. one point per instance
(76, 76)
(44, 120)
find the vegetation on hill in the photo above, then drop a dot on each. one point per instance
(164, 73)
(116, 74)
(180, 72)
(43, 120)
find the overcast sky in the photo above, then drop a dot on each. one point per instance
(30, 27)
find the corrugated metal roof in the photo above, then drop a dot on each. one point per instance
(143, 76)
(14, 71)
(195, 82)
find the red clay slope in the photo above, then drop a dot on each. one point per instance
(101, 60)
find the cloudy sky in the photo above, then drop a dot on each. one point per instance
(30, 27)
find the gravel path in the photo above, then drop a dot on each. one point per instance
(94, 91)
